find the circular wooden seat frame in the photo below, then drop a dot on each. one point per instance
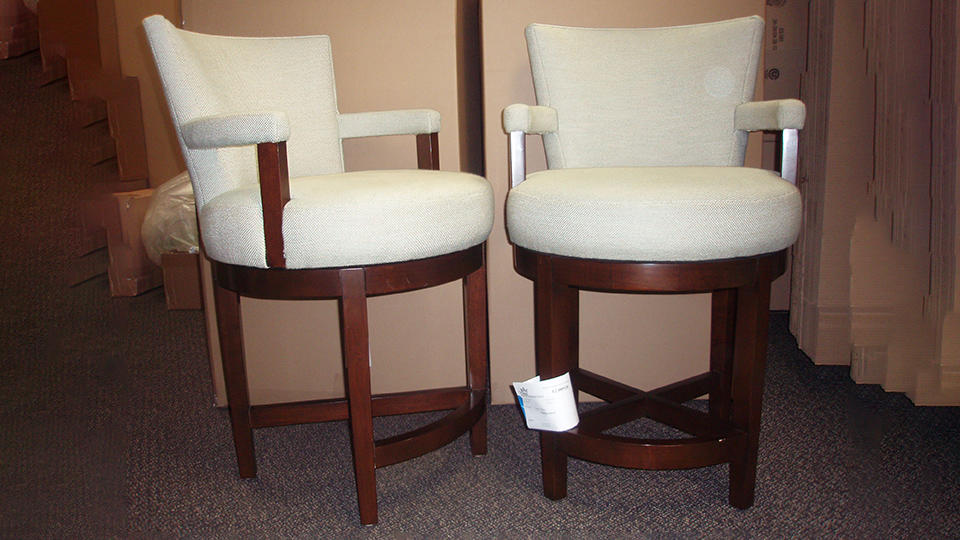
(727, 433)
(351, 286)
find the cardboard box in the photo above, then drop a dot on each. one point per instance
(181, 280)
(18, 29)
(130, 271)
(16, 47)
(784, 48)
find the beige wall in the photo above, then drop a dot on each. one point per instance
(643, 340)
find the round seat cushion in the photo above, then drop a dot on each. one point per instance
(353, 219)
(655, 214)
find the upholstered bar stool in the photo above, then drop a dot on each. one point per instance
(307, 230)
(645, 132)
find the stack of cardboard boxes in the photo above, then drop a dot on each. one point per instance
(18, 29)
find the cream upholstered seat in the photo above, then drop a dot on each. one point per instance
(356, 218)
(645, 134)
(654, 213)
(259, 129)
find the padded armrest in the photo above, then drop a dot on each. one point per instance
(236, 130)
(536, 119)
(773, 115)
(399, 122)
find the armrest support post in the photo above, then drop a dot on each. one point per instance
(274, 195)
(517, 158)
(787, 151)
(428, 151)
(520, 120)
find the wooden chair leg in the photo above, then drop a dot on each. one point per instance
(750, 357)
(230, 331)
(722, 325)
(477, 343)
(556, 322)
(356, 357)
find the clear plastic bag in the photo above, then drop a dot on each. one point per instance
(171, 220)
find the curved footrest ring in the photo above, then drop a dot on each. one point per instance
(433, 435)
(652, 454)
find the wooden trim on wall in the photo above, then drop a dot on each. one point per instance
(470, 86)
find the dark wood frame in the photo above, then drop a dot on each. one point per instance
(351, 287)
(728, 433)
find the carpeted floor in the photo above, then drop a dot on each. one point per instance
(107, 428)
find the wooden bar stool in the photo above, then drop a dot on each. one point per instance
(645, 192)
(308, 230)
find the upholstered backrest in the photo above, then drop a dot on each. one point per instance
(645, 96)
(206, 75)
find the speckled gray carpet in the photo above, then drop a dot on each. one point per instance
(107, 429)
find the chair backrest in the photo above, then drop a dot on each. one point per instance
(645, 96)
(206, 75)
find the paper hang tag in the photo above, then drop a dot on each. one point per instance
(548, 405)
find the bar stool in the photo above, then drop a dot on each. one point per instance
(645, 133)
(307, 230)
